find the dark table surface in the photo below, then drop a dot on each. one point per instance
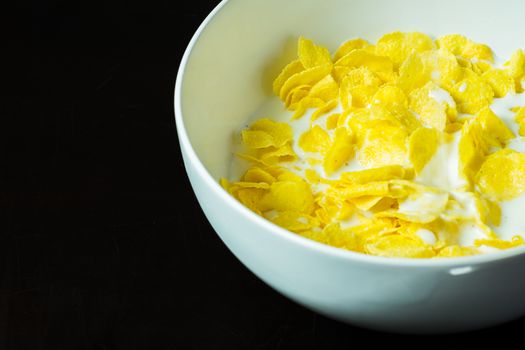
(105, 245)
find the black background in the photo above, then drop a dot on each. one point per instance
(104, 245)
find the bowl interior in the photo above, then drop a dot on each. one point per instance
(228, 73)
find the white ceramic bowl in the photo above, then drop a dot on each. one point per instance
(226, 75)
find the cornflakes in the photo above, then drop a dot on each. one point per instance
(312, 55)
(433, 112)
(423, 144)
(459, 45)
(391, 149)
(398, 46)
(340, 151)
(502, 175)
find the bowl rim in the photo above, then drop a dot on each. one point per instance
(282, 233)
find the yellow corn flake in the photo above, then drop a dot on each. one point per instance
(280, 133)
(423, 144)
(481, 67)
(346, 210)
(392, 188)
(377, 113)
(326, 89)
(459, 45)
(384, 173)
(340, 238)
(340, 72)
(410, 229)
(366, 202)
(398, 46)
(243, 184)
(325, 108)
(342, 118)
(398, 246)
(315, 140)
(496, 132)
(362, 76)
(384, 144)
(405, 188)
(412, 74)
(454, 43)
(332, 121)
(371, 49)
(390, 97)
(433, 105)
(466, 65)
(372, 228)
(312, 176)
(472, 94)
(252, 198)
(340, 151)
(312, 55)
(296, 95)
(384, 204)
(306, 103)
(257, 174)
(349, 46)
(358, 87)
(516, 64)
(442, 66)
(472, 149)
(501, 82)
(492, 212)
(455, 251)
(516, 67)
(290, 196)
(294, 221)
(502, 175)
(420, 207)
(291, 69)
(362, 95)
(308, 77)
(403, 117)
(370, 189)
(313, 161)
(478, 51)
(330, 209)
(345, 94)
(272, 155)
(361, 120)
(252, 159)
(516, 241)
(520, 115)
(381, 66)
(256, 139)
(289, 176)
